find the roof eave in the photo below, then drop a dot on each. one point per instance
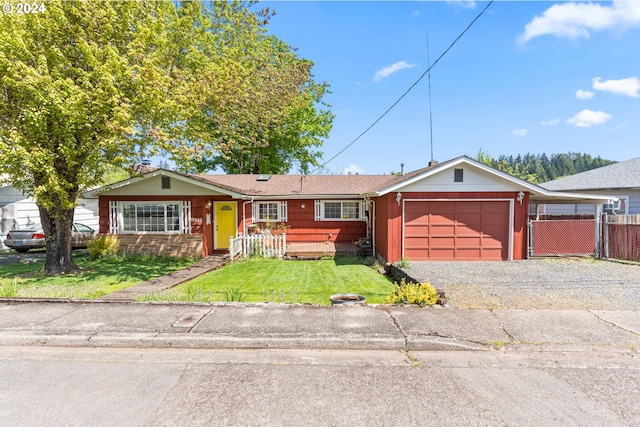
(302, 196)
(562, 197)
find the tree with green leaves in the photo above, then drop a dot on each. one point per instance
(88, 86)
(260, 110)
(536, 168)
(69, 76)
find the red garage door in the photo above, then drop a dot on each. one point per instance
(456, 230)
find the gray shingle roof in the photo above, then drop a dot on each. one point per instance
(615, 176)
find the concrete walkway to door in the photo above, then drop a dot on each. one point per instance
(549, 283)
(168, 281)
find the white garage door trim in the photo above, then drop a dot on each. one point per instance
(511, 202)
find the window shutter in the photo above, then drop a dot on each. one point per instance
(255, 212)
(113, 217)
(186, 217)
(363, 213)
(283, 211)
(318, 210)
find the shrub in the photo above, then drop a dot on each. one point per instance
(102, 247)
(412, 293)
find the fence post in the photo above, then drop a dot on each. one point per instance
(605, 243)
(284, 245)
(530, 238)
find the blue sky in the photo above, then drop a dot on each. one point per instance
(527, 77)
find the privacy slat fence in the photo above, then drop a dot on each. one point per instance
(622, 237)
(265, 245)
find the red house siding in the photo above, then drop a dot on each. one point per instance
(389, 220)
(303, 227)
(388, 227)
(381, 225)
(198, 214)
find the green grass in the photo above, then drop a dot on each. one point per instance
(100, 277)
(281, 281)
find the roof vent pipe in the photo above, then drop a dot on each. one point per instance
(401, 169)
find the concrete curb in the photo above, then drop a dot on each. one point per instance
(220, 342)
(201, 341)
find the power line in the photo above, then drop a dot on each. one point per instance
(407, 91)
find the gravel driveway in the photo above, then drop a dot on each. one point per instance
(572, 284)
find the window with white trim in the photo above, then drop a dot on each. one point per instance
(339, 210)
(151, 217)
(269, 211)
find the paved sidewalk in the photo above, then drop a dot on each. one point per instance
(238, 325)
(168, 281)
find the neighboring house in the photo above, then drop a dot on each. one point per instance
(620, 180)
(455, 210)
(19, 210)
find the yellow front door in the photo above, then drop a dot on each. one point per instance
(225, 224)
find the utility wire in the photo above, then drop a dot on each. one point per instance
(407, 91)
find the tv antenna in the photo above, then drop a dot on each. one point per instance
(430, 114)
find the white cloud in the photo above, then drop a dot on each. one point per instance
(353, 169)
(584, 94)
(588, 118)
(620, 126)
(629, 87)
(578, 20)
(393, 68)
(521, 133)
(552, 122)
(467, 4)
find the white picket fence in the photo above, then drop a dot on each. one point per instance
(265, 245)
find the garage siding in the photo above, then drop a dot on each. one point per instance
(456, 230)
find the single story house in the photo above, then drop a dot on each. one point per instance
(455, 210)
(619, 180)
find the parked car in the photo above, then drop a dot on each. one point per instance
(24, 239)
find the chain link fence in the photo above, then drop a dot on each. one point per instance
(564, 237)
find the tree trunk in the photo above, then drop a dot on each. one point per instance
(58, 231)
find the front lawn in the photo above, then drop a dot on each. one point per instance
(272, 280)
(101, 277)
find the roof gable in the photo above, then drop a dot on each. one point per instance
(151, 184)
(439, 177)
